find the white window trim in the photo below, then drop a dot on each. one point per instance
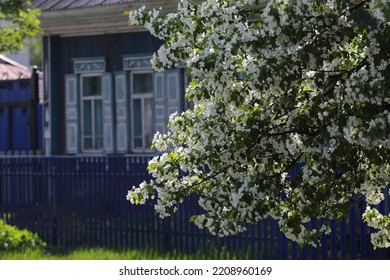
(82, 98)
(141, 96)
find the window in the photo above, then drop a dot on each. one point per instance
(142, 110)
(143, 101)
(92, 115)
(89, 110)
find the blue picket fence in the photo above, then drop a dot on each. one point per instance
(80, 201)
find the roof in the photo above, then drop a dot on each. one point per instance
(11, 70)
(93, 17)
(52, 5)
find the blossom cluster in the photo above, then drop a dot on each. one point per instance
(291, 115)
(378, 221)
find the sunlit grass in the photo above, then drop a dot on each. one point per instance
(106, 254)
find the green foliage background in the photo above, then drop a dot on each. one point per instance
(17, 22)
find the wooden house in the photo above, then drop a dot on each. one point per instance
(101, 94)
(20, 111)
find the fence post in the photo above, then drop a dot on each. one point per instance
(353, 232)
(33, 110)
(167, 234)
(52, 190)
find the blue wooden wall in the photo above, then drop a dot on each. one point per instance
(15, 129)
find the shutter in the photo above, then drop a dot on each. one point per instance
(159, 102)
(71, 114)
(174, 95)
(108, 120)
(122, 119)
(168, 97)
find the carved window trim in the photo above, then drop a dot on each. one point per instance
(89, 65)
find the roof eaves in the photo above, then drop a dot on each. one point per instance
(11, 70)
(53, 5)
(6, 60)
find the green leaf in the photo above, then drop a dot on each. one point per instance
(193, 218)
(235, 49)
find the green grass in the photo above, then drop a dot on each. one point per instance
(106, 254)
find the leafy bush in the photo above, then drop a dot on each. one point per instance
(13, 239)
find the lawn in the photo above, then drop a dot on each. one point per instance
(106, 254)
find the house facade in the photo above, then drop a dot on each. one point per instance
(101, 94)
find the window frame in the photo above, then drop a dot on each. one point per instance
(92, 98)
(142, 97)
